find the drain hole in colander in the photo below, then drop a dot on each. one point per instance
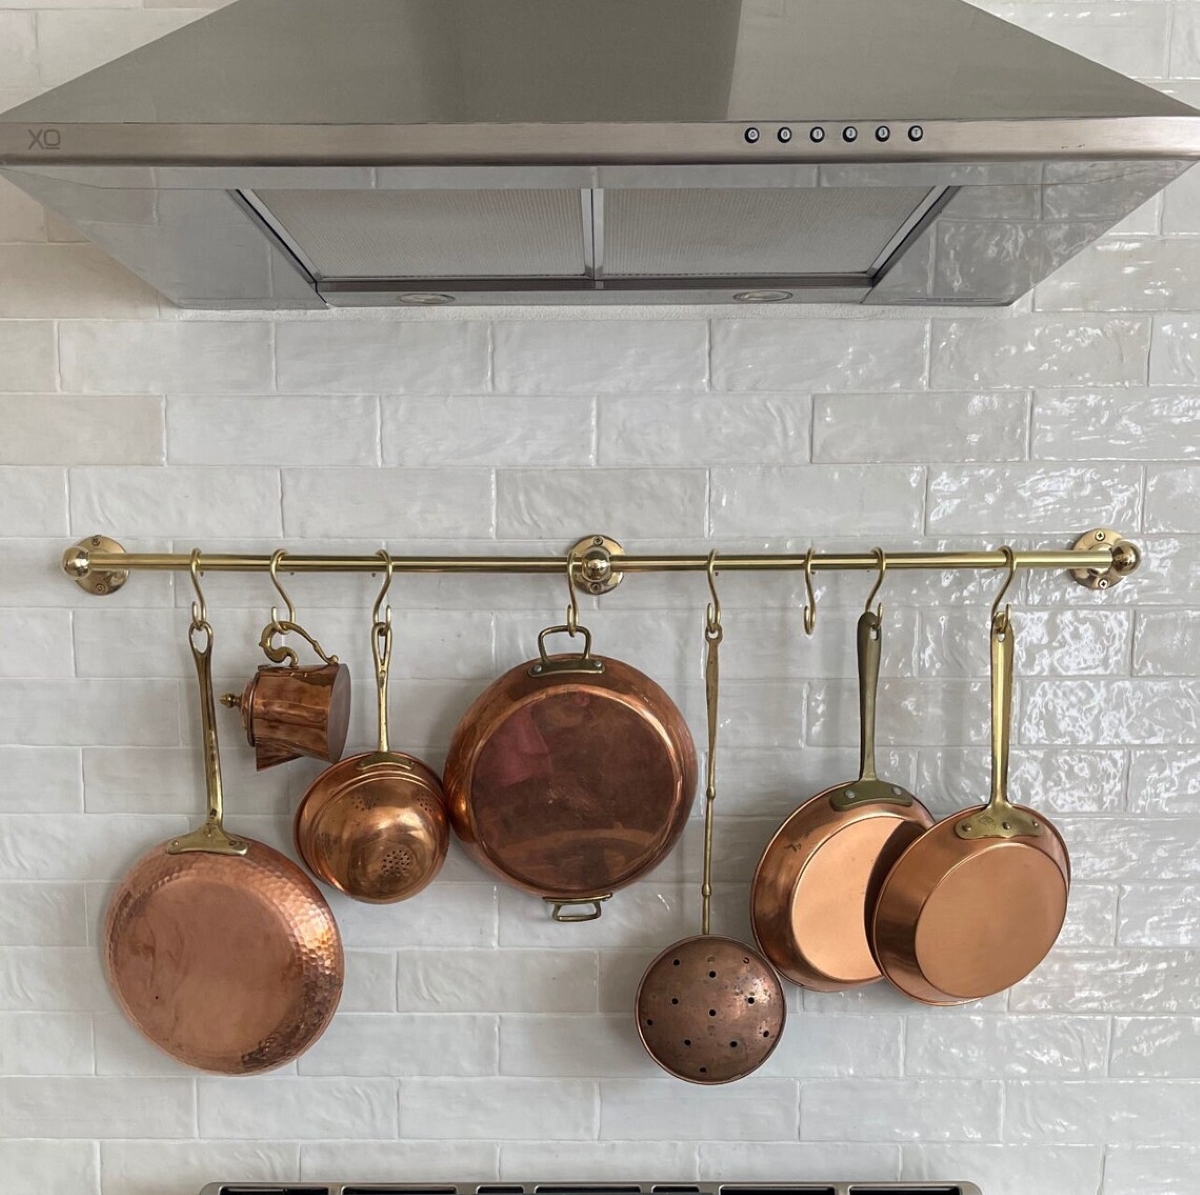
(766, 1033)
(712, 1012)
(749, 999)
(687, 1041)
(712, 975)
(649, 1021)
(677, 962)
(733, 1045)
(674, 999)
(704, 1070)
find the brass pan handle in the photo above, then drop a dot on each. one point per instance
(584, 662)
(562, 918)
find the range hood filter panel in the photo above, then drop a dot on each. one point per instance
(753, 231)
(431, 234)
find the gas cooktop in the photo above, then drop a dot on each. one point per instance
(818, 1188)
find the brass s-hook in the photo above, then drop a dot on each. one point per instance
(199, 606)
(810, 608)
(273, 568)
(881, 561)
(712, 615)
(277, 626)
(378, 613)
(1002, 620)
(572, 600)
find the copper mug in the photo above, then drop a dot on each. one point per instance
(289, 711)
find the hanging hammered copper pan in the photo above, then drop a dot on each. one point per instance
(220, 950)
(571, 776)
(815, 887)
(976, 903)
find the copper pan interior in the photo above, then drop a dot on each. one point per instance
(816, 884)
(220, 950)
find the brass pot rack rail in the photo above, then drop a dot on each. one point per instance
(1099, 559)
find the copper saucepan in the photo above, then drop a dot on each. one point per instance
(571, 776)
(289, 710)
(976, 903)
(815, 887)
(220, 950)
(374, 826)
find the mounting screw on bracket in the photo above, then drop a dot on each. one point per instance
(596, 554)
(1125, 558)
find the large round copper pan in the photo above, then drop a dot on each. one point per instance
(976, 903)
(570, 776)
(815, 887)
(218, 949)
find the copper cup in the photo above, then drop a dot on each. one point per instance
(288, 712)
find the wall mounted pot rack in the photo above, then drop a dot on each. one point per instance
(597, 564)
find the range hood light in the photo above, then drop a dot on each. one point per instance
(762, 296)
(426, 299)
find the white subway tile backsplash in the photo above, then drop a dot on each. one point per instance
(972, 1047)
(18, 49)
(498, 1109)
(553, 433)
(382, 1161)
(1039, 350)
(660, 1108)
(72, 41)
(1158, 914)
(1151, 1169)
(435, 1043)
(815, 354)
(388, 504)
(582, 1161)
(272, 1108)
(704, 429)
(132, 357)
(566, 357)
(42, 914)
(1118, 712)
(183, 1167)
(1154, 1047)
(1165, 781)
(69, 281)
(45, 429)
(920, 427)
(34, 500)
(40, 780)
(556, 503)
(900, 1110)
(50, 1043)
(1172, 503)
(32, 1167)
(1125, 274)
(1018, 1168)
(21, 218)
(1109, 981)
(821, 500)
(1115, 1112)
(1175, 352)
(97, 1107)
(1154, 424)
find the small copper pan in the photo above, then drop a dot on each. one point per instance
(816, 884)
(374, 826)
(976, 903)
(220, 950)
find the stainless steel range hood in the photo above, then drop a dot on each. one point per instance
(303, 153)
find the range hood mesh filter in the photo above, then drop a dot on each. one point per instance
(433, 234)
(753, 231)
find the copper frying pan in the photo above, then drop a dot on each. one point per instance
(815, 886)
(976, 903)
(570, 776)
(220, 950)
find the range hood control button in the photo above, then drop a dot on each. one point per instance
(850, 133)
(883, 133)
(817, 134)
(916, 133)
(785, 135)
(752, 135)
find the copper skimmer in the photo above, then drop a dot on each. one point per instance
(977, 902)
(815, 887)
(710, 1009)
(374, 826)
(217, 948)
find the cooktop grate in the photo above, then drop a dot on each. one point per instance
(498, 1188)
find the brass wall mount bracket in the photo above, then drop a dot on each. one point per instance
(594, 555)
(1126, 557)
(77, 563)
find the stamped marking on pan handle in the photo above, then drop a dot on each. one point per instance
(999, 818)
(594, 902)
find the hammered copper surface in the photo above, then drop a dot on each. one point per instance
(570, 785)
(374, 826)
(815, 888)
(960, 920)
(710, 1010)
(289, 712)
(229, 963)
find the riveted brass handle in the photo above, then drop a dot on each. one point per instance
(584, 662)
(594, 902)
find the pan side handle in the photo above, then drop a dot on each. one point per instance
(557, 907)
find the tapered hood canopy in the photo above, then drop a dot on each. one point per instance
(305, 152)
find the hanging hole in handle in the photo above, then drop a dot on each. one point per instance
(594, 902)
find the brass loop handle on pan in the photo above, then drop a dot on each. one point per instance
(199, 606)
(286, 626)
(557, 906)
(1011, 558)
(713, 634)
(810, 607)
(572, 600)
(584, 662)
(881, 557)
